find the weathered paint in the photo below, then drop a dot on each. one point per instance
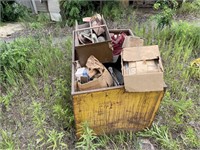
(115, 109)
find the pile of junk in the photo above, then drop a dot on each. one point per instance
(105, 58)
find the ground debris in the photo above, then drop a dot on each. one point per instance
(146, 145)
(7, 30)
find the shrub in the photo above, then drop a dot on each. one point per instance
(72, 10)
(190, 7)
(167, 9)
(11, 11)
(111, 9)
(27, 57)
(14, 57)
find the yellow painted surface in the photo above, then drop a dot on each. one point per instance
(114, 109)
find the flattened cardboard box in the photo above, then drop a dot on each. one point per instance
(142, 69)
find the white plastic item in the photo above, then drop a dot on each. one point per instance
(81, 72)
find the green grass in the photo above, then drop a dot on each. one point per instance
(37, 70)
(161, 135)
(35, 22)
(88, 139)
(36, 106)
(179, 45)
(190, 8)
(7, 141)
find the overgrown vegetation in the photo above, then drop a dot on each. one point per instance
(179, 109)
(76, 10)
(88, 139)
(35, 22)
(11, 11)
(167, 8)
(36, 108)
(113, 10)
(36, 66)
(189, 7)
(161, 135)
(7, 141)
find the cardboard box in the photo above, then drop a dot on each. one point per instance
(132, 41)
(118, 31)
(142, 69)
(101, 50)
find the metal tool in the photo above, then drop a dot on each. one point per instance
(116, 82)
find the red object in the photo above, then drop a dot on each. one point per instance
(117, 41)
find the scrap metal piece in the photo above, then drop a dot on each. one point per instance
(116, 82)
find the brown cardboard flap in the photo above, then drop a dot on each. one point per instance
(140, 53)
(104, 79)
(94, 65)
(94, 84)
(81, 26)
(144, 82)
(132, 41)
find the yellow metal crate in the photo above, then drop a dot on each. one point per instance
(112, 109)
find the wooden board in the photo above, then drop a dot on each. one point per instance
(114, 109)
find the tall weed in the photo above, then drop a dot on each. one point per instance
(6, 99)
(161, 134)
(191, 138)
(88, 139)
(7, 140)
(28, 57)
(55, 140)
(178, 46)
(186, 33)
(12, 11)
(190, 8)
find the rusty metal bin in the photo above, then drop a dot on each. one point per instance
(112, 109)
